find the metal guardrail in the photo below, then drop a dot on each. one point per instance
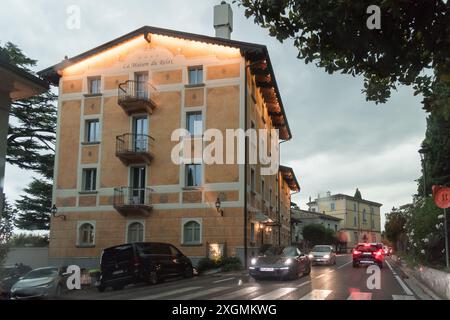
(129, 196)
(136, 90)
(133, 143)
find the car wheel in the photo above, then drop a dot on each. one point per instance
(153, 278)
(101, 288)
(188, 271)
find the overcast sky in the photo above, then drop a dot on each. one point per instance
(340, 141)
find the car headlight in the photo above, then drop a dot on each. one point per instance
(254, 261)
(310, 256)
(327, 256)
(288, 262)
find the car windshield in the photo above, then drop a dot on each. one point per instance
(321, 249)
(41, 273)
(367, 247)
(290, 252)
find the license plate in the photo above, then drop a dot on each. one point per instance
(368, 262)
(367, 254)
(117, 272)
(267, 269)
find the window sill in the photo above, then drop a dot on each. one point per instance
(81, 246)
(196, 85)
(192, 188)
(88, 192)
(90, 143)
(92, 95)
(192, 244)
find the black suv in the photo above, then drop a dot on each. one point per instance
(141, 261)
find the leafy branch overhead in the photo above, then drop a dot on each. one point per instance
(412, 47)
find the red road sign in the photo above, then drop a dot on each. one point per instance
(441, 196)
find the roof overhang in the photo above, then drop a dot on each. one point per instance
(258, 55)
(18, 83)
(289, 176)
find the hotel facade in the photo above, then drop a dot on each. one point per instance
(115, 181)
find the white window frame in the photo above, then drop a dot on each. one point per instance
(87, 123)
(90, 80)
(200, 183)
(79, 225)
(197, 68)
(130, 222)
(83, 179)
(184, 221)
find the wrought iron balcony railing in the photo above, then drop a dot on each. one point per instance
(134, 148)
(132, 201)
(137, 96)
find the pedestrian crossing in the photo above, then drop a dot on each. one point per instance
(260, 293)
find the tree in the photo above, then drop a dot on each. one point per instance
(395, 226)
(6, 229)
(411, 47)
(34, 206)
(316, 233)
(28, 240)
(31, 145)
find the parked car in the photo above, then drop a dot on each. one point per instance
(42, 283)
(280, 262)
(150, 262)
(322, 254)
(9, 275)
(368, 253)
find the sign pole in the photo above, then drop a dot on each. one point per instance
(446, 238)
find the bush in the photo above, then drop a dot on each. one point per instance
(227, 264)
(207, 264)
(231, 264)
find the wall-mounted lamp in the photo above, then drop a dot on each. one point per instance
(54, 211)
(219, 210)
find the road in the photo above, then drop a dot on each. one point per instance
(338, 282)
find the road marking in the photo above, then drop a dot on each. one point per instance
(318, 277)
(202, 293)
(275, 294)
(317, 295)
(392, 270)
(344, 264)
(168, 293)
(236, 294)
(400, 281)
(403, 297)
(304, 283)
(360, 296)
(223, 280)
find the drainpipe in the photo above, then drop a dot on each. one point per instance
(245, 166)
(279, 197)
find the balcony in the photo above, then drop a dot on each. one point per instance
(137, 96)
(134, 148)
(132, 201)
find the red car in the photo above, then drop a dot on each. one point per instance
(367, 254)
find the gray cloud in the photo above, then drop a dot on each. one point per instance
(340, 141)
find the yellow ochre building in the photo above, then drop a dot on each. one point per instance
(114, 179)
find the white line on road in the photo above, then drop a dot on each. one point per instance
(223, 280)
(236, 294)
(400, 281)
(202, 293)
(168, 293)
(402, 297)
(275, 294)
(317, 295)
(318, 277)
(360, 296)
(304, 283)
(340, 267)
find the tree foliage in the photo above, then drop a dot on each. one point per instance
(395, 226)
(411, 48)
(317, 234)
(28, 240)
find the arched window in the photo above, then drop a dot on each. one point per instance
(135, 232)
(86, 234)
(191, 232)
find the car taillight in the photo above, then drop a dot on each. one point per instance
(356, 252)
(378, 253)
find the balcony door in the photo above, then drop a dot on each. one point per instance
(141, 79)
(140, 132)
(137, 192)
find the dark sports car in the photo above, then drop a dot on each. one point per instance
(280, 262)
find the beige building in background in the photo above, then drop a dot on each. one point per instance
(114, 178)
(360, 218)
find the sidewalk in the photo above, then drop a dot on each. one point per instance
(427, 283)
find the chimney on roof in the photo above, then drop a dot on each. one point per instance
(223, 20)
(328, 194)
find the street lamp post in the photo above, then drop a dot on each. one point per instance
(422, 152)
